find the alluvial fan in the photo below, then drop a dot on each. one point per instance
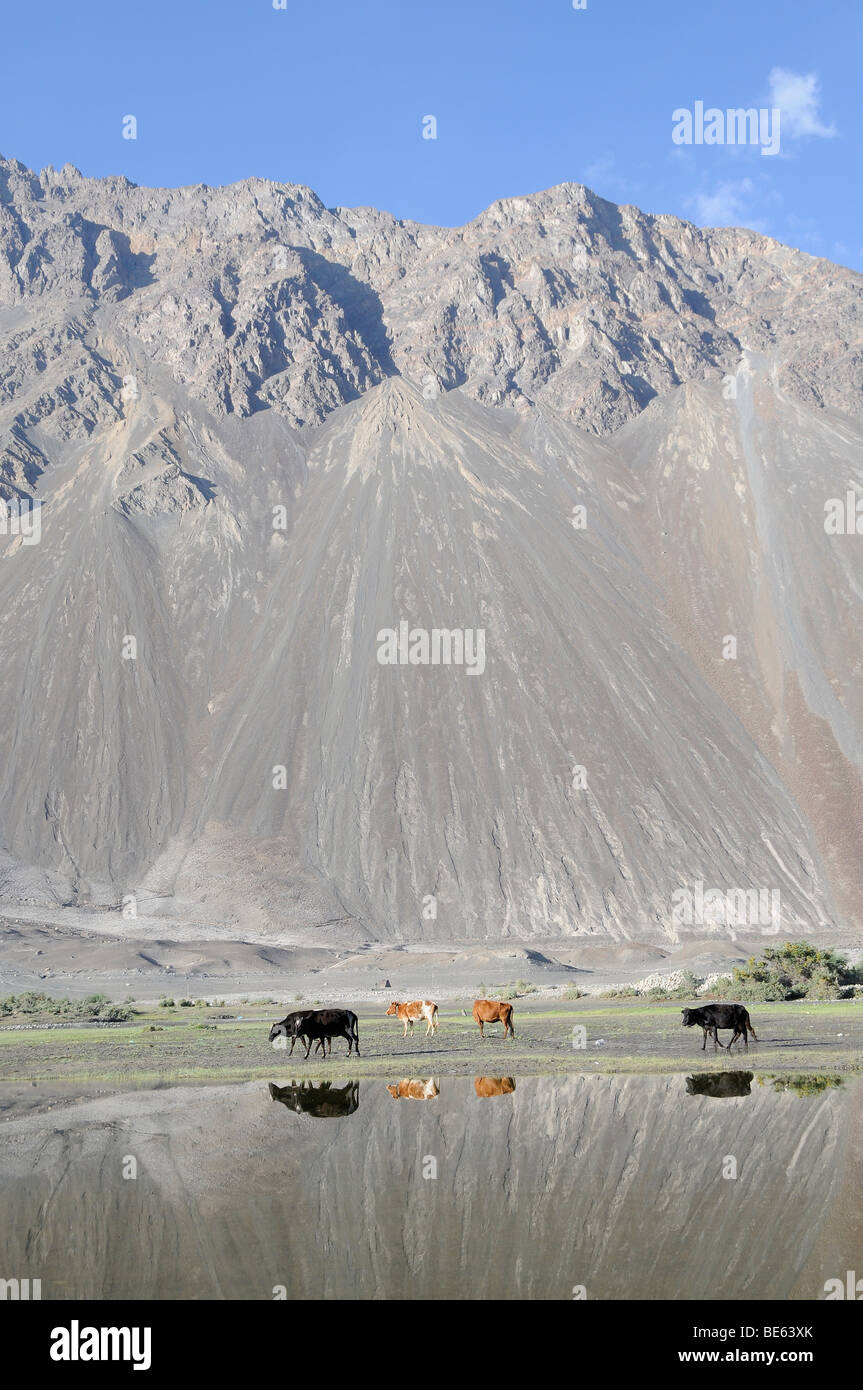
(425, 583)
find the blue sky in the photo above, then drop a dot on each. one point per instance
(525, 93)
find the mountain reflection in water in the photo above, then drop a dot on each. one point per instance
(611, 1182)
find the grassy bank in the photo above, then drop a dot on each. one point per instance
(585, 1036)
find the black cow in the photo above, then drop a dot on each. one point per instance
(714, 1016)
(290, 1027)
(320, 1026)
(324, 1102)
(721, 1085)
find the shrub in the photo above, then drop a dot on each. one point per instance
(572, 992)
(620, 992)
(796, 970)
(513, 990)
(95, 1007)
(166, 1002)
(806, 1084)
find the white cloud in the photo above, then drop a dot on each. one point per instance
(725, 206)
(797, 98)
(600, 169)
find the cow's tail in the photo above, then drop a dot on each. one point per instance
(356, 1032)
(749, 1026)
(511, 1029)
(434, 1016)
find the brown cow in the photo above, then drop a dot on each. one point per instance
(409, 1014)
(493, 1011)
(488, 1086)
(415, 1090)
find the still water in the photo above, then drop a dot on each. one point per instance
(700, 1187)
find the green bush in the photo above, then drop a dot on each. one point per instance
(95, 1007)
(166, 1002)
(796, 970)
(572, 992)
(805, 1084)
(620, 992)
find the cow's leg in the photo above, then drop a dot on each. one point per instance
(308, 1049)
(481, 1033)
(704, 1043)
(293, 1043)
(405, 1033)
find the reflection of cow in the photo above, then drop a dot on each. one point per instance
(710, 1017)
(409, 1014)
(321, 1026)
(493, 1011)
(325, 1102)
(488, 1086)
(415, 1090)
(721, 1086)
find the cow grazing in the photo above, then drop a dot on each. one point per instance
(723, 1085)
(409, 1014)
(324, 1102)
(320, 1026)
(415, 1090)
(289, 1027)
(493, 1011)
(711, 1017)
(488, 1086)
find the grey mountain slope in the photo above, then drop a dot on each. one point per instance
(428, 780)
(178, 363)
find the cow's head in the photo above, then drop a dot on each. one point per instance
(278, 1030)
(393, 1009)
(688, 1020)
(394, 1091)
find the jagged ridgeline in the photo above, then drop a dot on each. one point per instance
(263, 433)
